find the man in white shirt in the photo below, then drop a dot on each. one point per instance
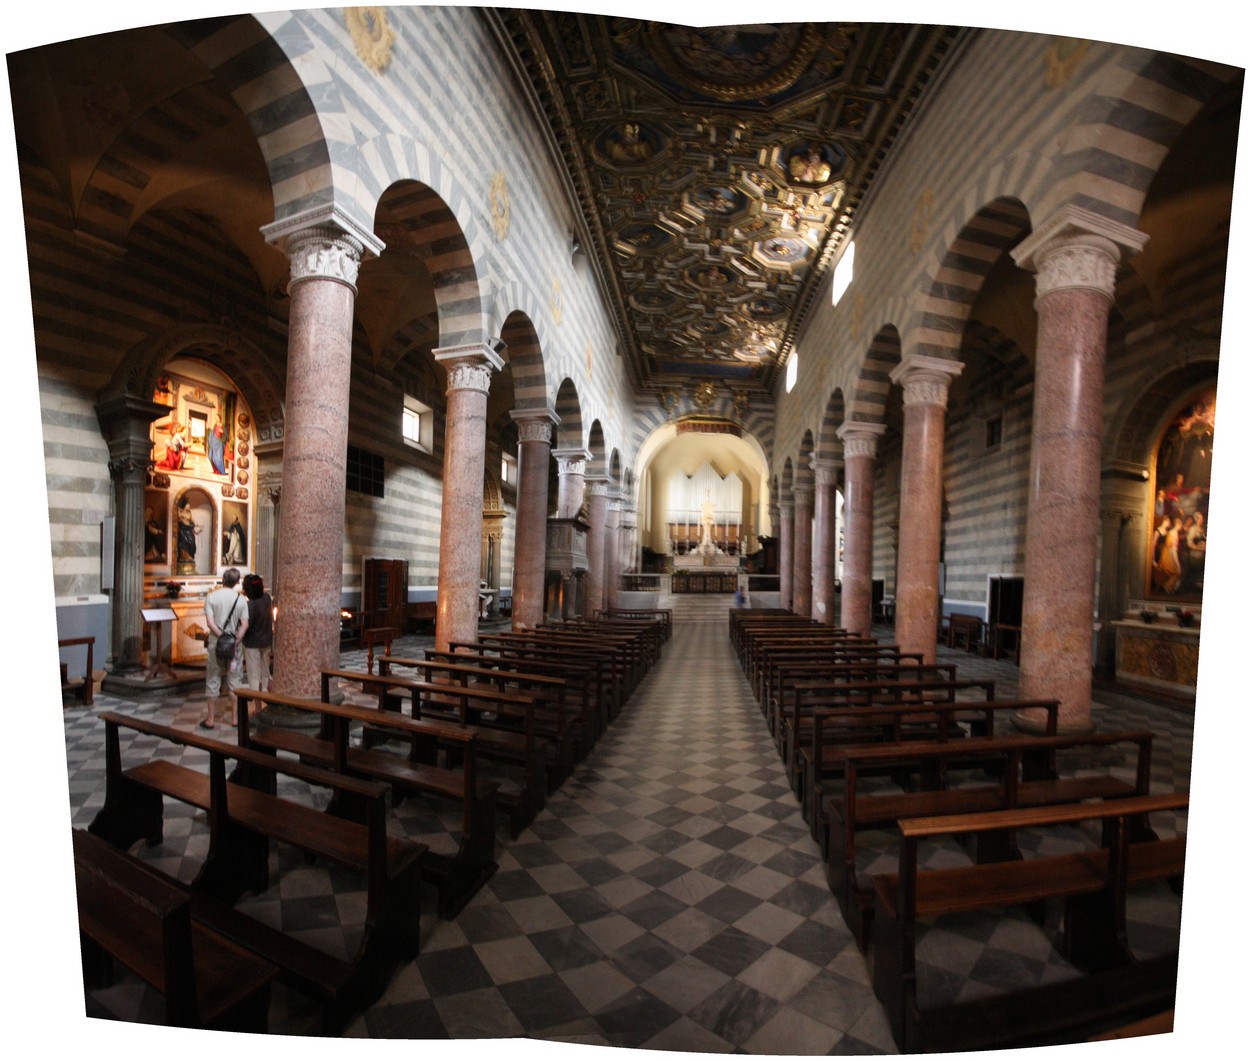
(225, 610)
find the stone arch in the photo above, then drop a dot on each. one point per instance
(614, 466)
(598, 463)
(227, 349)
(521, 331)
(569, 409)
(946, 300)
(828, 445)
(872, 387)
(413, 218)
(804, 479)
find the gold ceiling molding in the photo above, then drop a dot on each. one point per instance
(372, 35)
(708, 427)
(716, 62)
(1062, 59)
(500, 204)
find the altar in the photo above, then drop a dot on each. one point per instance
(1157, 655)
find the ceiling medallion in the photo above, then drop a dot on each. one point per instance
(500, 204)
(733, 63)
(372, 35)
(704, 396)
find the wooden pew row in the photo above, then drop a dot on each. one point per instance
(457, 876)
(778, 666)
(588, 680)
(567, 730)
(806, 687)
(815, 732)
(1093, 886)
(1003, 781)
(663, 616)
(639, 649)
(129, 913)
(244, 819)
(517, 744)
(548, 646)
(757, 652)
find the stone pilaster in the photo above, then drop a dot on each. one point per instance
(596, 519)
(785, 551)
(801, 594)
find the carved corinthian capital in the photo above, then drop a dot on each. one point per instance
(859, 438)
(469, 367)
(324, 253)
(925, 380)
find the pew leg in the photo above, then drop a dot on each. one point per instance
(460, 877)
(237, 862)
(131, 812)
(1090, 939)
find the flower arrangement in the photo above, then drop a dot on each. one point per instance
(1185, 617)
(172, 588)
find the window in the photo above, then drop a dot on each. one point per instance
(366, 472)
(507, 470)
(843, 272)
(417, 425)
(993, 432)
(792, 372)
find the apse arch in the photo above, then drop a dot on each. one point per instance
(569, 410)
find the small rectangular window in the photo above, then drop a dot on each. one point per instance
(417, 424)
(507, 471)
(993, 432)
(792, 372)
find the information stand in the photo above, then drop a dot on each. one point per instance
(159, 616)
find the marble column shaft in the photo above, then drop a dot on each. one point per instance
(596, 520)
(572, 482)
(824, 541)
(925, 382)
(324, 265)
(469, 371)
(859, 454)
(1075, 283)
(529, 565)
(612, 550)
(801, 594)
(785, 552)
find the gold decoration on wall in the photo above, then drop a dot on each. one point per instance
(500, 204)
(742, 402)
(857, 314)
(372, 35)
(921, 219)
(590, 358)
(557, 301)
(1062, 59)
(704, 396)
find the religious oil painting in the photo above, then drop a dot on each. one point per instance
(1181, 488)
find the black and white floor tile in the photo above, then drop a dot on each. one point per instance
(668, 897)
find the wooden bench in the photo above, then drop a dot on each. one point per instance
(521, 746)
(243, 819)
(142, 920)
(524, 644)
(457, 876)
(590, 687)
(1093, 885)
(419, 612)
(552, 720)
(84, 688)
(1004, 782)
(964, 629)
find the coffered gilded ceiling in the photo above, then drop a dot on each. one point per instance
(718, 169)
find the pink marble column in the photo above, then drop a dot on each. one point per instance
(571, 464)
(309, 566)
(596, 520)
(825, 540)
(529, 566)
(925, 382)
(785, 551)
(612, 549)
(859, 452)
(1075, 257)
(469, 370)
(801, 594)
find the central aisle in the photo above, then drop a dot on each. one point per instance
(669, 896)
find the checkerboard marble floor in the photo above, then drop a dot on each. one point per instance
(668, 897)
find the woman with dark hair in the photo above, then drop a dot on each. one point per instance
(258, 641)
